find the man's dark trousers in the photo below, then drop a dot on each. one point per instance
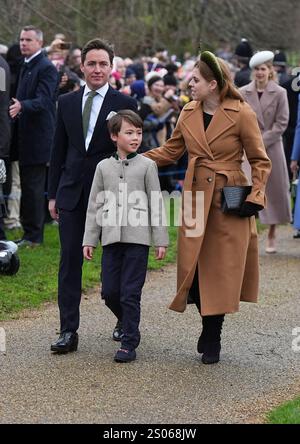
(71, 231)
(124, 268)
(33, 180)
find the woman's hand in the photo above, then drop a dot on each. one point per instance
(88, 252)
(249, 209)
(160, 253)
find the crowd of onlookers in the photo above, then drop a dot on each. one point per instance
(160, 86)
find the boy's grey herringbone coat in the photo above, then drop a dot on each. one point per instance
(124, 204)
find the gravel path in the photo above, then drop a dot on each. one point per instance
(168, 383)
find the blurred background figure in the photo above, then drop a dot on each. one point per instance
(269, 101)
(156, 109)
(3, 50)
(12, 187)
(73, 61)
(58, 54)
(138, 91)
(224, 51)
(243, 52)
(295, 163)
(4, 134)
(34, 107)
(281, 67)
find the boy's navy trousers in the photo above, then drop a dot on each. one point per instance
(124, 268)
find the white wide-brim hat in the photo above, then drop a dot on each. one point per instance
(261, 57)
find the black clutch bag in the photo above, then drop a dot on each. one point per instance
(233, 198)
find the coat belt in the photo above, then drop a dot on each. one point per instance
(211, 164)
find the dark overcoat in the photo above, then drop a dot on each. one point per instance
(37, 92)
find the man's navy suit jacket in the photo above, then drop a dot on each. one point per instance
(72, 167)
(37, 92)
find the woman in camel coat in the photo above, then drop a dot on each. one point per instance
(269, 102)
(219, 260)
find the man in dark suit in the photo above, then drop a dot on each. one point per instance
(4, 128)
(81, 141)
(34, 106)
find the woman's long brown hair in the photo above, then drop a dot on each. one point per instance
(228, 90)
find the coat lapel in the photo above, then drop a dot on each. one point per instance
(268, 96)
(251, 97)
(76, 113)
(221, 120)
(193, 123)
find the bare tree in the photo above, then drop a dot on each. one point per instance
(139, 26)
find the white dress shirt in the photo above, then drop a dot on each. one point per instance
(96, 107)
(33, 56)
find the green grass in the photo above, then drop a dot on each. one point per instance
(288, 413)
(36, 281)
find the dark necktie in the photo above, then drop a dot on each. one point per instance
(87, 112)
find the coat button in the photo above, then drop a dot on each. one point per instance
(121, 177)
(209, 179)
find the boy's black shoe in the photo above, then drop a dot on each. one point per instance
(124, 355)
(67, 342)
(118, 332)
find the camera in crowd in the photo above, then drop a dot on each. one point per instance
(9, 260)
(174, 98)
(64, 46)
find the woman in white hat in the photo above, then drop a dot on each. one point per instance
(270, 103)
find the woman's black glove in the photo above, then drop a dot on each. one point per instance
(249, 209)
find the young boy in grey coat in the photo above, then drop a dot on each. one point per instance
(126, 213)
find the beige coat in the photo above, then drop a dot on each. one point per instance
(122, 205)
(272, 112)
(226, 252)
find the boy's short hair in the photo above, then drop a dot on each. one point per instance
(115, 123)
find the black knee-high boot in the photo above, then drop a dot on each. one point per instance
(209, 342)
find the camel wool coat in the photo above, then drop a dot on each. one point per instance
(226, 249)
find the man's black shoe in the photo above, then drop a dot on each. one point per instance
(118, 332)
(67, 342)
